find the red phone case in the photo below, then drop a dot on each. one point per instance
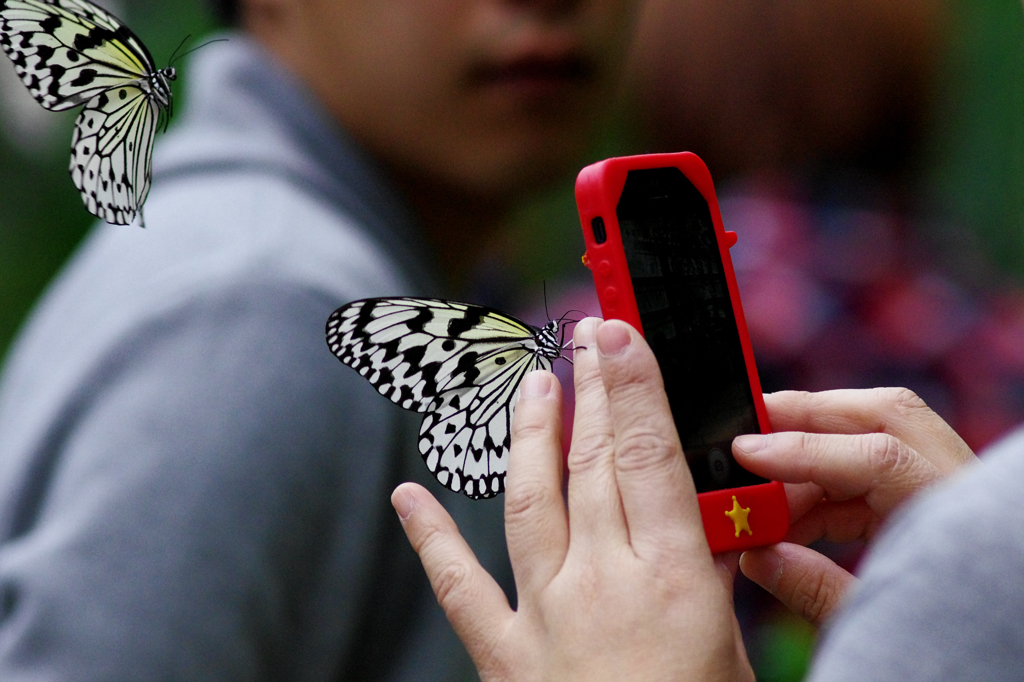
(735, 518)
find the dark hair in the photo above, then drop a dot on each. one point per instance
(225, 11)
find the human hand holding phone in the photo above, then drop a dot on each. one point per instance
(614, 583)
(660, 260)
(848, 458)
(619, 584)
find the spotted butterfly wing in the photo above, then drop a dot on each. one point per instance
(71, 52)
(459, 364)
(112, 153)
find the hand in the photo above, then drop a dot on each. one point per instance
(849, 458)
(618, 586)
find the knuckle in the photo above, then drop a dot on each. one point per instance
(811, 401)
(903, 400)
(633, 387)
(589, 448)
(814, 449)
(524, 497)
(807, 442)
(886, 454)
(429, 537)
(451, 583)
(806, 405)
(814, 597)
(529, 425)
(587, 379)
(640, 448)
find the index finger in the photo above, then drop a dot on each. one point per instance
(898, 412)
(879, 466)
(536, 527)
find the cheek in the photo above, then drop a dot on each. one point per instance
(404, 51)
(411, 103)
(613, 24)
(401, 69)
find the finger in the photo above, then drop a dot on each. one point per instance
(879, 466)
(596, 521)
(896, 411)
(474, 603)
(836, 522)
(536, 526)
(807, 582)
(801, 498)
(655, 485)
(727, 564)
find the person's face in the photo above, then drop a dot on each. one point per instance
(489, 97)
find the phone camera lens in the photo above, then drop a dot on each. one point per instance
(597, 226)
(718, 464)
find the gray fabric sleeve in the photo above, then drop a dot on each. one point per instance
(223, 460)
(942, 593)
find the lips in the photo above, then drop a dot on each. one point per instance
(535, 70)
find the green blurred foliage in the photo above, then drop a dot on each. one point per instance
(969, 172)
(41, 215)
(784, 651)
(973, 173)
(975, 161)
(41, 220)
(544, 242)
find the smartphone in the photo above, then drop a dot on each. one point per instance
(660, 260)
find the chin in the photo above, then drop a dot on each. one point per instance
(522, 163)
(516, 178)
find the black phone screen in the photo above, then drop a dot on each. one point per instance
(688, 320)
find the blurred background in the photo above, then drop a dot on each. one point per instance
(870, 156)
(869, 153)
(41, 214)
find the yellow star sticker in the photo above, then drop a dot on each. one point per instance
(739, 517)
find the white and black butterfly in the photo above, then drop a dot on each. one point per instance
(460, 364)
(71, 52)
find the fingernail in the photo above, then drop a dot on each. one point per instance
(751, 443)
(770, 562)
(612, 337)
(403, 502)
(537, 384)
(775, 564)
(583, 335)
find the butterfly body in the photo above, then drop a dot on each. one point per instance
(459, 364)
(70, 53)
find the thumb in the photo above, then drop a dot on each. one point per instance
(808, 583)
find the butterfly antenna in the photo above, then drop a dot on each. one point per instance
(183, 41)
(544, 284)
(568, 358)
(581, 312)
(188, 52)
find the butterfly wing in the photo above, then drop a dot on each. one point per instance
(466, 435)
(460, 364)
(67, 52)
(111, 153)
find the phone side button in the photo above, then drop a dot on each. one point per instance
(604, 268)
(730, 239)
(611, 296)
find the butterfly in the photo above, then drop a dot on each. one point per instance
(71, 52)
(459, 364)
